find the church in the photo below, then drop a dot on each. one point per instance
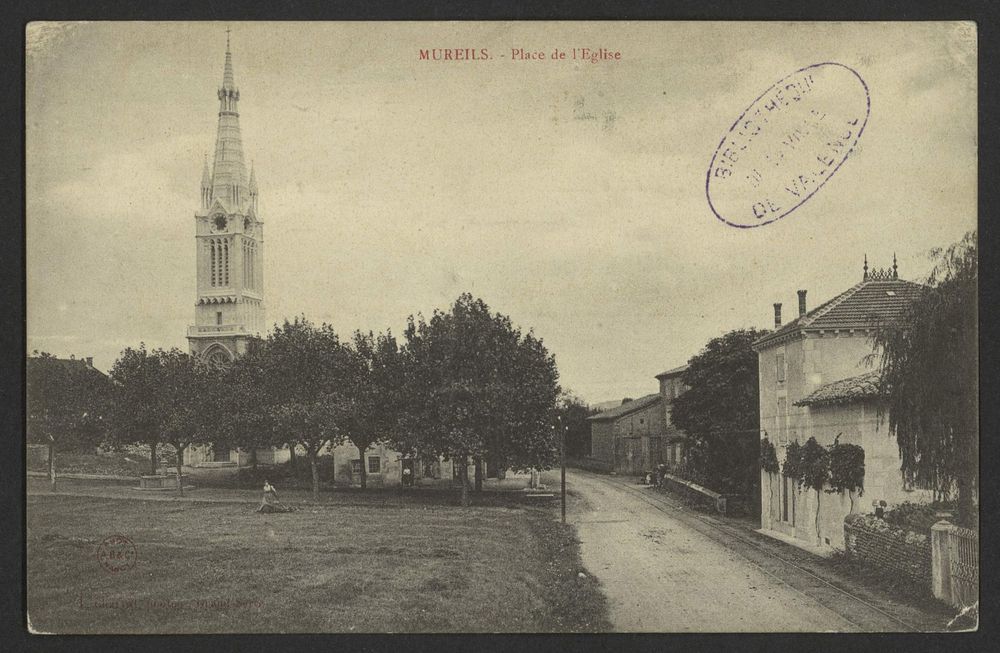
(229, 310)
(229, 236)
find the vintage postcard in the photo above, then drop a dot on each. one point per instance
(501, 327)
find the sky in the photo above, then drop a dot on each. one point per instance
(569, 195)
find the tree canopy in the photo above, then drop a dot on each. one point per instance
(929, 364)
(720, 412)
(66, 403)
(477, 386)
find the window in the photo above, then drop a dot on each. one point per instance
(356, 466)
(782, 418)
(780, 364)
(218, 317)
(788, 500)
(374, 464)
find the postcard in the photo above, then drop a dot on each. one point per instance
(400, 327)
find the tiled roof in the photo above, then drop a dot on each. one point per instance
(674, 372)
(859, 307)
(845, 390)
(627, 408)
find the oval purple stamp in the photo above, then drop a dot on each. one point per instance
(787, 144)
(117, 553)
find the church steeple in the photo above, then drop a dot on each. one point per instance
(229, 176)
(206, 185)
(229, 237)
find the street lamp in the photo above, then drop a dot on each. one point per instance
(562, 463)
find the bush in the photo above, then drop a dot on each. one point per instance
(919, 516)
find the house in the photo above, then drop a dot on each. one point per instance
(671, 387)
(815, 382)
(637, 435)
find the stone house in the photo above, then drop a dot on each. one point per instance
(637, 435)
(815, 382)
(674, 441)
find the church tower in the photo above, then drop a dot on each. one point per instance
(230, 239)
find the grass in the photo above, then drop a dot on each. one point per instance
(390, 566)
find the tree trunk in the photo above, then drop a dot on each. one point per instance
(364, 468)
(152, 458)
(52, 464)
(315, 475)
(180, 476)
(253, 458)
(463, 478)
(478, 460)
(818, 538)
(291, 456)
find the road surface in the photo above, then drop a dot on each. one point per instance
(663, 570)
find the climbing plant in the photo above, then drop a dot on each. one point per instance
(847, 469)
(769, 463)
(793, 461)
(814, 470)
(768, 457)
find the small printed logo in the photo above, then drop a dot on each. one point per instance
(117, 553)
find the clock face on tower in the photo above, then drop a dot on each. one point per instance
(219, 222)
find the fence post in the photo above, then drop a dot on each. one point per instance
(941, 561)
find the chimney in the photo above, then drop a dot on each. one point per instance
(802, 303)
(777, 315)
(90, 361)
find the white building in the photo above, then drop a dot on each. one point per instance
(815, 381)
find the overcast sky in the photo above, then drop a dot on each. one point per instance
(568, 195)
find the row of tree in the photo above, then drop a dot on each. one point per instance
(465, 385)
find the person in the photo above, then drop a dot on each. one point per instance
(270, 502)
(407, 476)
(661, 472)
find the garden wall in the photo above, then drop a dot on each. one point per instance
(888, 548)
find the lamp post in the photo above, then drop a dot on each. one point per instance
(562, 463)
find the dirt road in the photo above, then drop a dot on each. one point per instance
(662, 573)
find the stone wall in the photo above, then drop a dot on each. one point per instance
(888, 548)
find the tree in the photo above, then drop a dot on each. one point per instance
(133, 414)
(477, 387)
(929, 364)
(720, 412)
(66, 400)
(374, 396)
(308, 374)
(248, 423)
(190, 395)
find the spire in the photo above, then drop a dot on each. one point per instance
(865, 277)
(227, 74)
(229, 175)
(253, 188)
(206, 185)
(895, 269)
(206, 179)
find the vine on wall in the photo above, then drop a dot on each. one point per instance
(834, 469)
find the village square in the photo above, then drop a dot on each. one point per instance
(804, 458)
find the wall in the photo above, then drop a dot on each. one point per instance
(602, 440)
(890, 549)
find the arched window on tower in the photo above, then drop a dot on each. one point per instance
(211, 249)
